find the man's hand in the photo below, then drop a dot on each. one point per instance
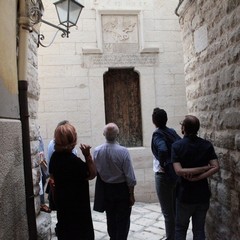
(131, 195)
(212, 168)
(187, 176)
(132, 199)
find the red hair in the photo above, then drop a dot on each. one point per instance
(65, 137)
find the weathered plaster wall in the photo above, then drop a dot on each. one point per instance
(12, 187)
(8, 66)
(211, 41)
(13, 216)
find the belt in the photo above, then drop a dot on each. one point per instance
(159, 173)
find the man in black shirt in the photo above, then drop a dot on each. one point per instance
(194, 160)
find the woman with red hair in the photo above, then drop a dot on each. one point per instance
(70, 175)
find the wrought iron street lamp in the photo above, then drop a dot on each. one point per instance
(68, 12)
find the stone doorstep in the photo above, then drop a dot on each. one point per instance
(44, 222)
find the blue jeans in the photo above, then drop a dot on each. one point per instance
(184, 211)
(166, 195)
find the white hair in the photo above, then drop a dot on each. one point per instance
(111, 131)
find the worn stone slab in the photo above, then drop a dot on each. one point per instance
(142, 226)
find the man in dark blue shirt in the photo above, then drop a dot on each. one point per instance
(195, 160)
(165, 177)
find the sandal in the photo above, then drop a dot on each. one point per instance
(45, 208)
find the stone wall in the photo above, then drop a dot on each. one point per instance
(43, 220)
(211, 41)
(71, 72)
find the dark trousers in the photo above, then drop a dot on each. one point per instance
(118, 210)
(186, 211)
(44, 180)
(166, 195)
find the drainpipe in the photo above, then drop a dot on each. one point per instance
(24, 117)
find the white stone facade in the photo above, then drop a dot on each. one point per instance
(142, 34)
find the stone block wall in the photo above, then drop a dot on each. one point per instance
(211, 42)
(71, 73)
(43, 220)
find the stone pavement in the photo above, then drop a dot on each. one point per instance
(147, 223)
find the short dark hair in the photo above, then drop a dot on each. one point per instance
(63, 122)
(191, 125)
(159, 117)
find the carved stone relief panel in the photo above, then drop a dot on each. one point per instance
(120, 60)
(120, 33)
(120, 41)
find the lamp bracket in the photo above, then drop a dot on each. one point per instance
(65, 32)
(41, 37)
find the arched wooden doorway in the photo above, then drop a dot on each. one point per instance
(123, 104)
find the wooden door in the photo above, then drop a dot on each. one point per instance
(123, 105)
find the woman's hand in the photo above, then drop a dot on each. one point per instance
(51, 182)
(85, 149)
(89, 161)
